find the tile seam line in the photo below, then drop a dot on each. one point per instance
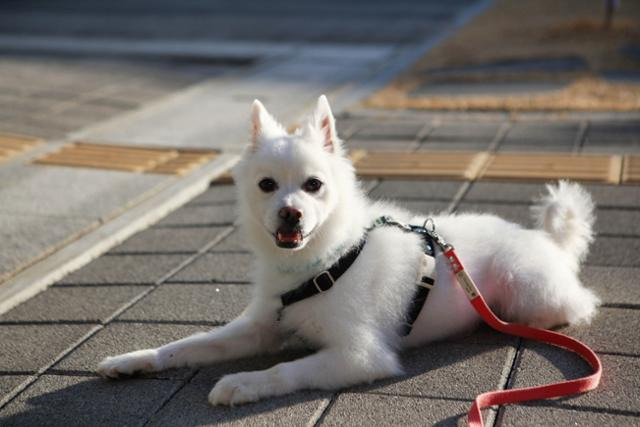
(93, 331)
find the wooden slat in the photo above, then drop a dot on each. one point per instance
(536, 166)
(631, 169)
(11, 145)
(126, 158)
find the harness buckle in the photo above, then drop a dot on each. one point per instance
(328, 285)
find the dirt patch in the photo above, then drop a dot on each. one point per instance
(566, 39)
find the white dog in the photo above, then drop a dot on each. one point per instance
(302, 210)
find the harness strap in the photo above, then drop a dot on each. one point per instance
(323, 281)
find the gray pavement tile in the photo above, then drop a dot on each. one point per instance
(461, 136)
(537, 416)
(216, 267)
(619, 222)
(193, 303)
(503, 192)
(615, 251)
(424, 207)
(9, 382)
(216, 194)
(191, 407)
(167, 240)
(520, 214)
(613, 132)
(627, 196)
(234, 242)
(94, 304)
(124, 269)
(28, 348)
(613, 330)
(413, 189)
(117, 338)
(614, 285)
(75, 401)
(380, 409)
(388, 130)
(200, 215)
(615, 400)
(381, 145)
(615, 195)
(540, 137)
(447, 370)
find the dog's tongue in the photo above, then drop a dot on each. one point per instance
(289, 237)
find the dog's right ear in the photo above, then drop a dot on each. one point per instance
(263, 125)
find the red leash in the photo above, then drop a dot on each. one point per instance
(563, 388)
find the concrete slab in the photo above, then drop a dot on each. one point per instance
(439, 371)
(234, 242)
(423, 190)
(168, 240)
(217, 194)
(9, 382)
(519, 214)
(191, 303)
(618, 222)
(42, 343)
(199, 215)
(540, 137)
(389, 130)
(381, 144)
(614, 285)
(465, 135)
(503, 192)
(26, 237)
(612, 331)
(615, 252)
(382, 409)
(613, 136)
(215, 268)
(425, 207)
(124, 269)
(77, 303)
(68, 400)
(613, 403)
(117, 338)
(191, 407)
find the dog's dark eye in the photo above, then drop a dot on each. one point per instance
(312, 185)
(268, 185)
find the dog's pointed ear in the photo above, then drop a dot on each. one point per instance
(263, 125)
(326, 124)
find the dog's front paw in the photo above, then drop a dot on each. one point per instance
(129, 363)
(236, 389)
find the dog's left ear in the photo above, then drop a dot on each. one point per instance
(326, 124)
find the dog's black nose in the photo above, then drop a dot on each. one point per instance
(289, 215)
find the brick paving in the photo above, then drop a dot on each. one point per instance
(188, 273)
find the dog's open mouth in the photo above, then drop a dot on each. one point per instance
(289, 237)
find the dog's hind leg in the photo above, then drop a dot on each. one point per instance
(241, 337)
(329, 369)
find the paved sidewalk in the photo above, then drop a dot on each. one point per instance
(168, 75)
(188, 273)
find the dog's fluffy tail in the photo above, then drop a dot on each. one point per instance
(566, 213)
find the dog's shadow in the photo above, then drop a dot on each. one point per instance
(443, 378)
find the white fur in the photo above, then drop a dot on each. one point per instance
(528, 276)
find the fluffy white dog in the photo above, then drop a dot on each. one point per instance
(302, 209)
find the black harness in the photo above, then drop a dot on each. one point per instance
(327, 278)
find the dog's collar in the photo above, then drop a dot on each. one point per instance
(325, 280)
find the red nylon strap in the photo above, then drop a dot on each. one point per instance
(563, 388)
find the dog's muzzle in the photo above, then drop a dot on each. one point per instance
(289, 235)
